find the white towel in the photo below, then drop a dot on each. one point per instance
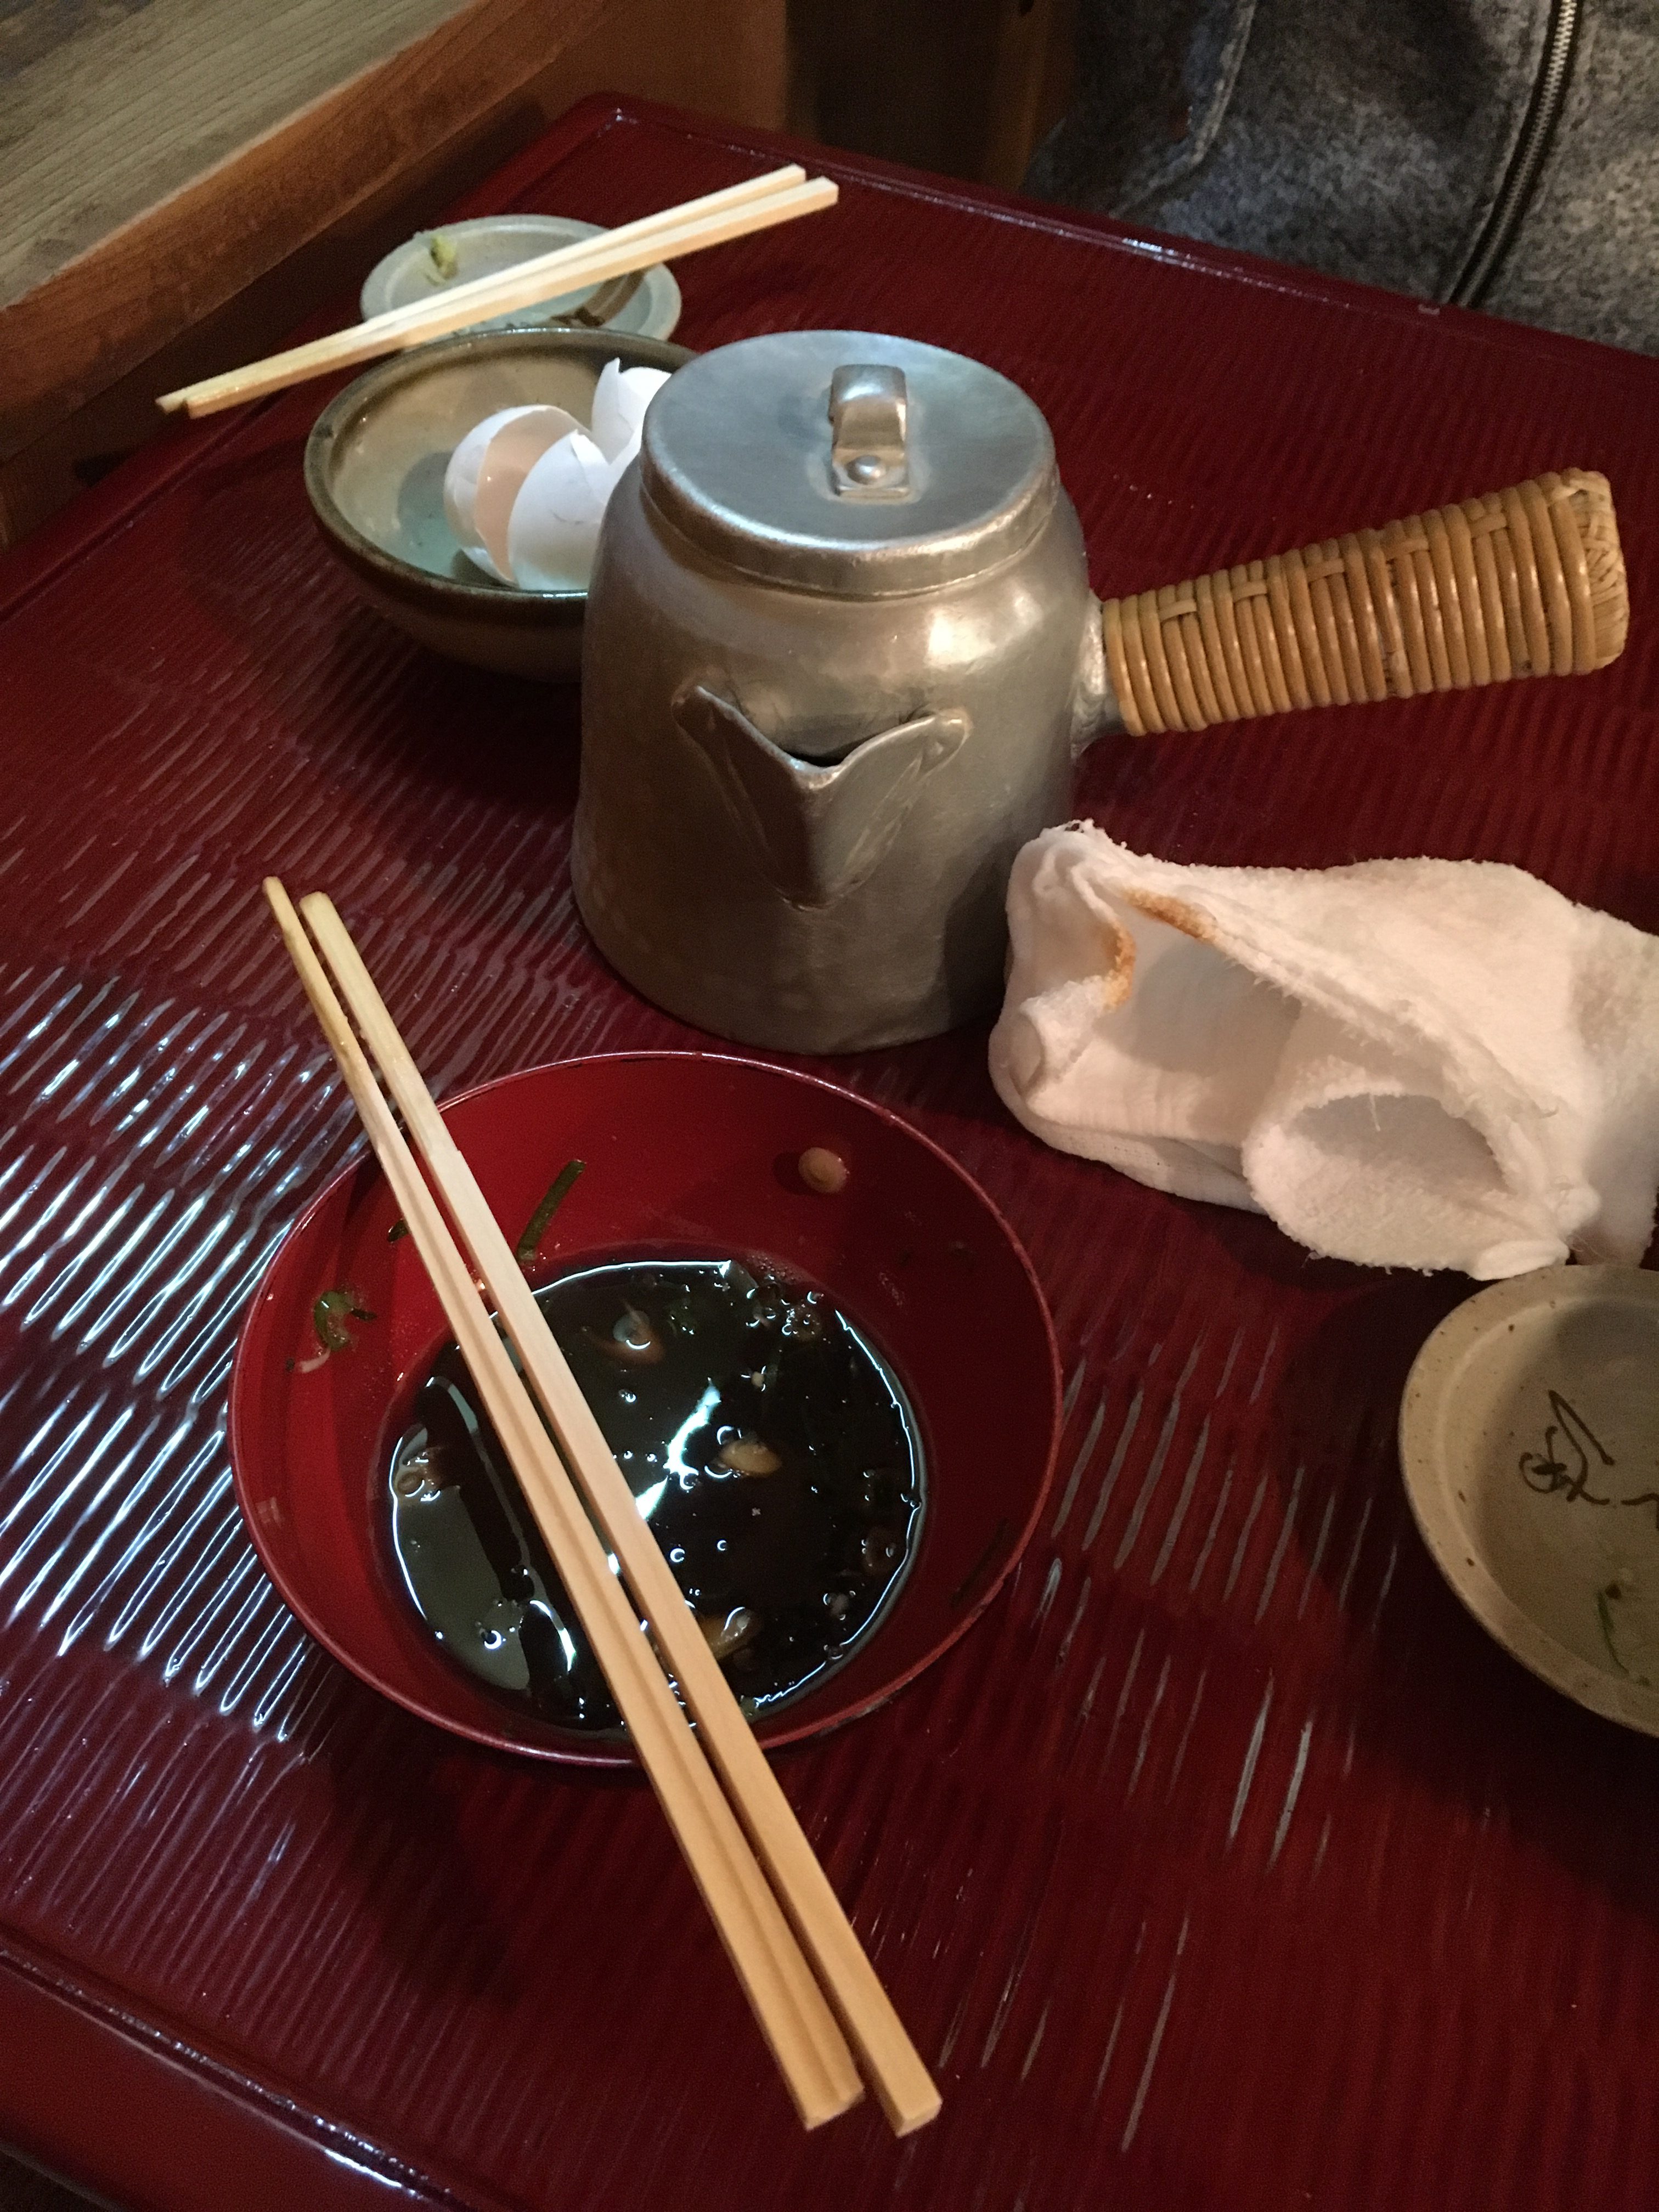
(1409, 1063)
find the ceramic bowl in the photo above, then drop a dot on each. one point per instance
(686, 1152)
(491, 243)
(375, 470)
(1529, 1441)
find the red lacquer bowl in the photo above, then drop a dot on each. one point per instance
(684, 1151)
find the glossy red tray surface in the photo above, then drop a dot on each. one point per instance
(1226, 1864)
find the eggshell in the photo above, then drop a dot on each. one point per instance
(461, 484)
(620, 399)
(630, 451)
(555, 525)
(485, 471)
(508, 459)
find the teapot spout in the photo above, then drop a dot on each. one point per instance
(816, 830)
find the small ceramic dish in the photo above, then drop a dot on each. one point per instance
(684, 1153)
(374, 471)
(409, 274)
(1529, 1439)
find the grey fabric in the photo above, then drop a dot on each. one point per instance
(1371, 140)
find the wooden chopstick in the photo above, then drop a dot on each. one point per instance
(560, 261)
(544, 276)
(787, 2002)
(908, 2094)
(756, 204)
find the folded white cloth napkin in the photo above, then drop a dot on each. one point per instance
(1409, 1063)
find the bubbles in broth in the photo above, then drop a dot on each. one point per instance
(766, 1442)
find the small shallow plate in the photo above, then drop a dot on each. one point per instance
(687, 1152)
(491, 243)
(1529, 1439)
(374, 471)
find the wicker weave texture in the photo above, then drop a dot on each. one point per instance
(1525, 583)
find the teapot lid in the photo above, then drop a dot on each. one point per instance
(842, 462)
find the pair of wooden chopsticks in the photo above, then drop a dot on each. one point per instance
(771, 1961)
(778, 196)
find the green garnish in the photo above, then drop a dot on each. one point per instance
(536, 1227)
(398, 1229)
(445, 260)
(329, 1316)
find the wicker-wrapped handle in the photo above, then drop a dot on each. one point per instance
(1524, 583)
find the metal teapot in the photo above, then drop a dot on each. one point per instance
(841, 654)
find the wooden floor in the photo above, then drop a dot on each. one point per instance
(105, 110)
(969, 88)
(181, 180)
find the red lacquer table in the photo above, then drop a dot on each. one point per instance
(1226, 1864)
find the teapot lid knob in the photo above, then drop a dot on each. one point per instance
(935, 469)
(869, 413)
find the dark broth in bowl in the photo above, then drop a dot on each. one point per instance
(766, 1442)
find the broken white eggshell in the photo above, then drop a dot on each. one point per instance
(554, 527)
(485, 472)
(620, 399)
(508, 459)
(461, 480)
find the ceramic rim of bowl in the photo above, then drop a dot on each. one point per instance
(1439, 1392)
(549, 231)
(503, 603)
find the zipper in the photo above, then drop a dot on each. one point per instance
(1548, 97)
